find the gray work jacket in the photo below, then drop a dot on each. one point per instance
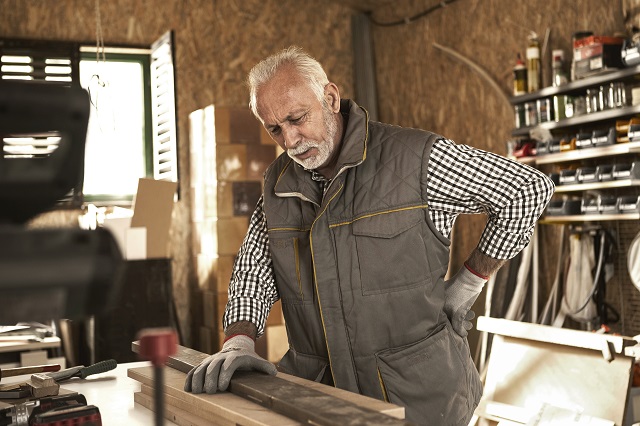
(360, 272)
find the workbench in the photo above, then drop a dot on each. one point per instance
(112, 392)
(115, 393)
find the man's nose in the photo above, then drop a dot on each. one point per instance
(291, 136)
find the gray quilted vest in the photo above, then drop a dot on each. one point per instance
(360, 273)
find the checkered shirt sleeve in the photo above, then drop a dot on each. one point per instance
(466, 180)
(252, 290)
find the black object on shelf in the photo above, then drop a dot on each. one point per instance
(564, 207)
(604, 172)
(627, 171)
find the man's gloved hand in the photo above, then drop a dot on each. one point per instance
(214, 373)
(460, 293)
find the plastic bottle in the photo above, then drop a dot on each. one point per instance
(533, 64)
(519, 77)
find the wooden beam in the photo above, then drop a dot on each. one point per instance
(294, 400)
(559, 336)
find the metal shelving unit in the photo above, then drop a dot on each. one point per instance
(589, 218)
(594, 117)
(582, 154)
(579, 85)
(623, 183)
(618, 149)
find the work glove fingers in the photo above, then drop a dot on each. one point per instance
(187, 381)
(211, 377)
(195, 378)
(243, 362)
(462, 323)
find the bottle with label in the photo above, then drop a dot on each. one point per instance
(519, 77)
(533, 64)
(557, 67)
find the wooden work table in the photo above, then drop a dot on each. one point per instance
(123, 393)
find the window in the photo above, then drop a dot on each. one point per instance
(132, 125)
(119, 142)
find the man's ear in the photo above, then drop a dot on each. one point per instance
(332, 95)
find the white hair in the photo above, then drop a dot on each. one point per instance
(308, 68)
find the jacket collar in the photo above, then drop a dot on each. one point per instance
(295, 181)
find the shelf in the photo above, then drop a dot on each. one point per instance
(589, 218)
(524, 160)
(608, 114)
(623, 183)
(578, 85)
(581, 154)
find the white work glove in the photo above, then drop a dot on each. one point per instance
(460, 292)
(214, 373)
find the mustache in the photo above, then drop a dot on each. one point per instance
(302, 147)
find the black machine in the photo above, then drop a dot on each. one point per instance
(48, 274)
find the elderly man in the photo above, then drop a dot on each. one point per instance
(351, 234)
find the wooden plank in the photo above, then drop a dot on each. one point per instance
(560, 336)
(293, 399)
(179, 416)
(195, 410)
(527, 373)
(222, 405)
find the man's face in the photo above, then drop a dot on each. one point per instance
(303, 126)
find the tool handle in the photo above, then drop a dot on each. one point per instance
(18, 371)
(99, 367)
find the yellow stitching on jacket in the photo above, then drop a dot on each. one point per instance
(377, 214)
(289, 229)
(383, 387)
(315, 281)
(297, 260)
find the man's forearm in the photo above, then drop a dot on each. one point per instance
(483, 264)
(242, 327)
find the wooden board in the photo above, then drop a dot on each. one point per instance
(179, 416)
(573, 372)
(221, 406)
(241, 411)
(298, 399)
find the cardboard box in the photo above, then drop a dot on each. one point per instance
(596, 54)
(153, 208)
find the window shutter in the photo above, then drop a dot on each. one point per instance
(165, 141)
